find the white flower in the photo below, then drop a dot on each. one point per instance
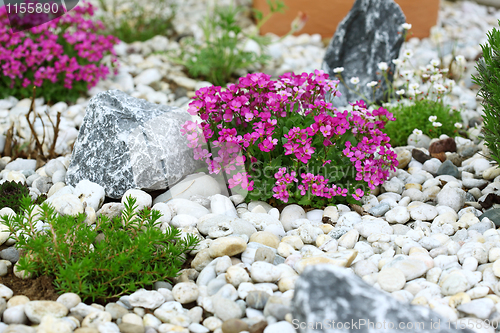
(458, 125)
(406, 26)
(382, 66)
(372, 84)
(450, 83)
(416, 131)
(440, 88)
(408, 54)
(436, 77)
(414, 86)
(460, 59)
(433, 118)
(397, 61)
(407, 73)
(435, 62)
(355, 80)
(338, 70)
(429, 68)
(437, 124)
(400, 92)
(411, 92)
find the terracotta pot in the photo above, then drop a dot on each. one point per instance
(324, 16)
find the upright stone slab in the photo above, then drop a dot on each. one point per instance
(125, 143)
(371, 33)
(340, 301)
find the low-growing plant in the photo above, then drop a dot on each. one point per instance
(282, 140)
(488, 79)
(63, 58)
(132, 21)
(221, 55)
(11, 195)
(103, 261)
(405, 83)
(422, 116)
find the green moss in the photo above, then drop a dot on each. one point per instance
(11, 194)
(410, 117)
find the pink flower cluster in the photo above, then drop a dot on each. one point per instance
(245, 124)
(39, 54)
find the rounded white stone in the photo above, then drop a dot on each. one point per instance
(67, 204)
(143, 199)
(456, 282)
(391, 279)
(183, 221)
(132, 318)
(69, 300)
(220, 204)
(291, 213)
(349, 239)
(91, 193)
(236, 275)
(264, 272)
(36, 310)
(185, 292)
(149, 299)
(397, 215)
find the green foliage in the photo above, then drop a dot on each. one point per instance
(132, 21)
(11, 194)
(221, 55)
(416, 116)
(112, 258)
(488, 78)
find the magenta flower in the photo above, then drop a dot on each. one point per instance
(289, 122)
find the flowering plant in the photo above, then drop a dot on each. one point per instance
(422, 117)
(282, 139)
(431, 82)
(63, 56)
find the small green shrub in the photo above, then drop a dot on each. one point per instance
(488, 78)
(132, 21)
(418, 116)
(11, 195)
(222, 53)
(110, 259)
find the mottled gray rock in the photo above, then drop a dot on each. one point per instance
(326, 293)
(125, 143)
(371, 33)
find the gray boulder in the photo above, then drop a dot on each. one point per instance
(125, 143)
(371, 33)
(326, 293)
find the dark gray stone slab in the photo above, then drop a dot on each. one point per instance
(371, 33)
(493, 215)
(448, 168)
(125, 143)
(326, 293)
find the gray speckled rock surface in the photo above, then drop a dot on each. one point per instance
(367, 36)
(125, 142)
(325, 292)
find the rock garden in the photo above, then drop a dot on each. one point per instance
(168, 167)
